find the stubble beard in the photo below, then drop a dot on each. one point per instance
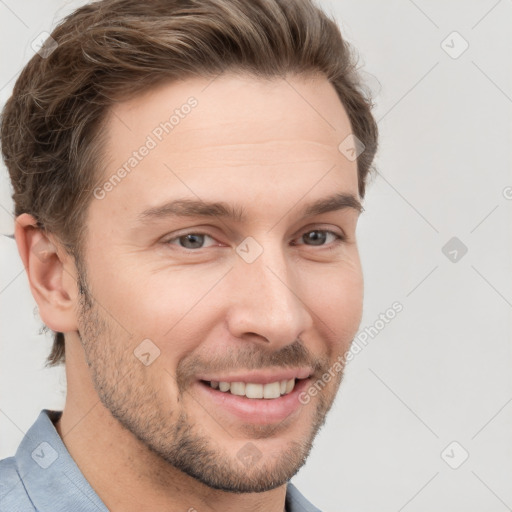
(123, 386)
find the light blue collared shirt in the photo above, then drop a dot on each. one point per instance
(42, 477)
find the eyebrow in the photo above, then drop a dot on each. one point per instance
(198, 208)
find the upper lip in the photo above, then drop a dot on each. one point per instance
(260, 377)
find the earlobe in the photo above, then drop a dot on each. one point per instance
(51, 273)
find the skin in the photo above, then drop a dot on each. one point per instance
(272, 147)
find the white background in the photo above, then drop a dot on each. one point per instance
(440, 371)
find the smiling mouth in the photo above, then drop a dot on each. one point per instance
(253, 390)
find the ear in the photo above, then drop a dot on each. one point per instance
(51, 272)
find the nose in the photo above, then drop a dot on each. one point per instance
(265, 304)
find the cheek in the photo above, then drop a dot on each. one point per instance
(336, 298)
(157, 305)
(166, 303)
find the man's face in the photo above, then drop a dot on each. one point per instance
(179, 300)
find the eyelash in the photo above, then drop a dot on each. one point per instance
(340, 238)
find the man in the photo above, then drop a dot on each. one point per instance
(187, 176)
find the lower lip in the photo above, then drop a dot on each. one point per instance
(259, 411)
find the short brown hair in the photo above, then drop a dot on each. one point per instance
(113, 49)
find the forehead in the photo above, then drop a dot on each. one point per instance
(228, 111)
(225, 137)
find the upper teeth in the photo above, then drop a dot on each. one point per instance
(251, 390)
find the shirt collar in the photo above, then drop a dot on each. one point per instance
(52, 480)
(295, 501)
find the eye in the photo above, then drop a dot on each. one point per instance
(319, 236)
(189, 240)
(314, 238)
